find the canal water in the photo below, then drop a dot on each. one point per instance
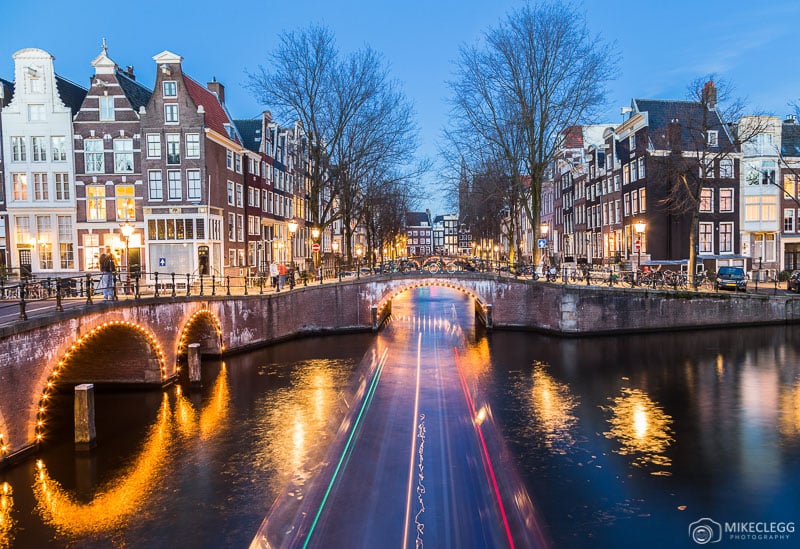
(629, 441)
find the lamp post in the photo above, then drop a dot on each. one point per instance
(544, 228)
(315, 247)
(359, 253)
(127, 230)
(292, 229)
(335, 246)
(639, 226)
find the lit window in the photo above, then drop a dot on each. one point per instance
(96, 202)
(125, 202)
(726, 200)
(19, 182)
(707, 200)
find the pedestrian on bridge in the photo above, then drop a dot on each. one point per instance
(273, 274)
(281, 276)
(107, 269)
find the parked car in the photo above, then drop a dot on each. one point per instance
(793, 282)
(731, 278)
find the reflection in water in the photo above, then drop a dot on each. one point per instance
(125, 495)
(553, 406)
(128, 494)
(6, 521)
(642, 428)
(790, 411)
(297, 416)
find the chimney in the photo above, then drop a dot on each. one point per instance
(709, 95)
(674, 135)
(790, 119)
(217, 88)
(129, 72)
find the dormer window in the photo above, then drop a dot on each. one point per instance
(713, 138)
(170, 88)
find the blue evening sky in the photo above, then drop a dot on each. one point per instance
(663, 45)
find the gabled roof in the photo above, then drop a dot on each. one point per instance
(688, 113)
(790, 139)
(136, 93)
(250, 132)
(417, 219)
(71, 94)
(217, 117)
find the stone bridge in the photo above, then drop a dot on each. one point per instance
(141, 342)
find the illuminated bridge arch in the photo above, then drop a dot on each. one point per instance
(202, 327)
(112, 352)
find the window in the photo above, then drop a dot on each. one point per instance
(707, 168)
(155, 184)
(40, 186)
(58, 148)
(170, 88)
(39, 147)
(706, 238)
(231, 226)
(123, 155)
(238, 161)
(632, 143)
(171, 113)
(19, 181)
(193, 191)
(96, 202)
(239, 195)
(62, 186)
(726, 200)
(768, 172)
(153, 145)
(125, 202)
(240, 227)
(36, 113)
(634, 171)
(65, 244)
(713, 138)
(726, 168)
(106, 107)
(229, 159)
(23, 226)
(760, 208)
(788, 220)
(173, 148)
(634, 203)
(43, 230)
(18, 151)
(174, 185)
(93, 155)
(707, 200)
(231, 200)
(35, 83)
(642, 200)
(192, 145)
(626, 174)
(641, 168)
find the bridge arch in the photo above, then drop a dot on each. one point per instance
(202, 327)
(133, 351)
(392, 291)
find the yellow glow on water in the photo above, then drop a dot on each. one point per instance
(790, 411)
(553, 408)
(215, 412)
(6, 520)
(123, 498)
(642, 429)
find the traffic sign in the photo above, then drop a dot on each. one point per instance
(315, 247)
(162, 261)
(541, 243)
(638, 245)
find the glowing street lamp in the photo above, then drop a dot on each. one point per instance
(292, 225)
(639, 226)
(335, 246)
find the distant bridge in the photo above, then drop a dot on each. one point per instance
(140, 341)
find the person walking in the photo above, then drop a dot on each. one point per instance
(273, 274)
(107, 269)
(281, 276)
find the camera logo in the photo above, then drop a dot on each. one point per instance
(705, 531)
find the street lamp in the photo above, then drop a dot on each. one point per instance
(127, 230)
(359, 253)
(544, 228)
(315, 246)
(335, 246)
(639, 226)
(292, 229)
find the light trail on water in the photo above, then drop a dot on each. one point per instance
(407, 519)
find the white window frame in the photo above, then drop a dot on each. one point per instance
(106, 107)
(155, 184)
(174, 185)
(194, 188)
(153, 145)
(171, 113)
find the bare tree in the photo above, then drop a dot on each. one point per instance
(537, 73)
(698, 139)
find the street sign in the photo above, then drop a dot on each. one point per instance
(162, 261)
(315, 247)
(541, 243)
(638, 245)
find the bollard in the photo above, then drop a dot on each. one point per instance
(194, 365)
(85, 434)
